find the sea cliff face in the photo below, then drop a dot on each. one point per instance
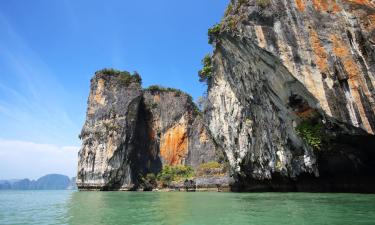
(326, 45)
(291, 98)
(130, 132)
(290, 106)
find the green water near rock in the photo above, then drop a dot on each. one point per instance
(69, 207)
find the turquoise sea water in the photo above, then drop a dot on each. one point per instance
(69, 207)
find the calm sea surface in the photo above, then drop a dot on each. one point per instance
(69, 207)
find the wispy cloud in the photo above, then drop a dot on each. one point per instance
(20, 159)
(31, 96)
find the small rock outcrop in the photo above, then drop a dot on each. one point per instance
(130, 132)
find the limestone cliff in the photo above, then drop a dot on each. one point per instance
(290, 106)
(285, 69)
(328, 45)
(130, 132)
(108, 137)
(176, 128)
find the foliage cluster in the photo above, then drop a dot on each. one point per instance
(210, 168)
(149, 182)
(213, 32)
(175, 173)
(180, 173)
(158, 88)
(229, 10)
(205, 73)
(311, 132)
(263, 3)
(124, 77)
(110, 126)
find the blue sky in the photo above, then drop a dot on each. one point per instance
(49, 50)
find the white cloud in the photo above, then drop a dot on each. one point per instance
(21, 159)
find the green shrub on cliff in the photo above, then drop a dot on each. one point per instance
(124, 77)
(215, 30)
(213, 33)
(158, 88)
(149, 182)
(311, 132)
(205, 73)
(229, 10)
(263, 3)
(175, 173)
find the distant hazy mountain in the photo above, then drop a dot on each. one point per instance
(47, 182)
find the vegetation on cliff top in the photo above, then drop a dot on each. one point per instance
(158, 88)
(213, 33)
(124, 77)
(178, 92)
(205, 74)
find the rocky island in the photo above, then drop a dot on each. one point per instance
(290, 106)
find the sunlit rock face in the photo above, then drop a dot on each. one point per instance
(277, 64)
(130, 132)
(327, 45)
(108, 140)
(177, 129)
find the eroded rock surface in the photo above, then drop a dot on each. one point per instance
(290, 102)
(130, 132)
(108, 136)
(327, 45)
(277, 64)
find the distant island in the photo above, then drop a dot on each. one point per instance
(47, 182)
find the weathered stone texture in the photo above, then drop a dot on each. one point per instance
(130, 132)
(108, 139)
(178, 129)
(280, 63)
(327, 45)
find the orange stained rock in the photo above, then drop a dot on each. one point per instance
(326, 5)
(301, 5)
(174, 145)
(320, 53)
(360, 2)
(157, 98)
(306, 113)
(370, 23)
(320, 5)
(203, 136)
(341, 50)
(152, 134)
(98, 96)
(260, 36)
